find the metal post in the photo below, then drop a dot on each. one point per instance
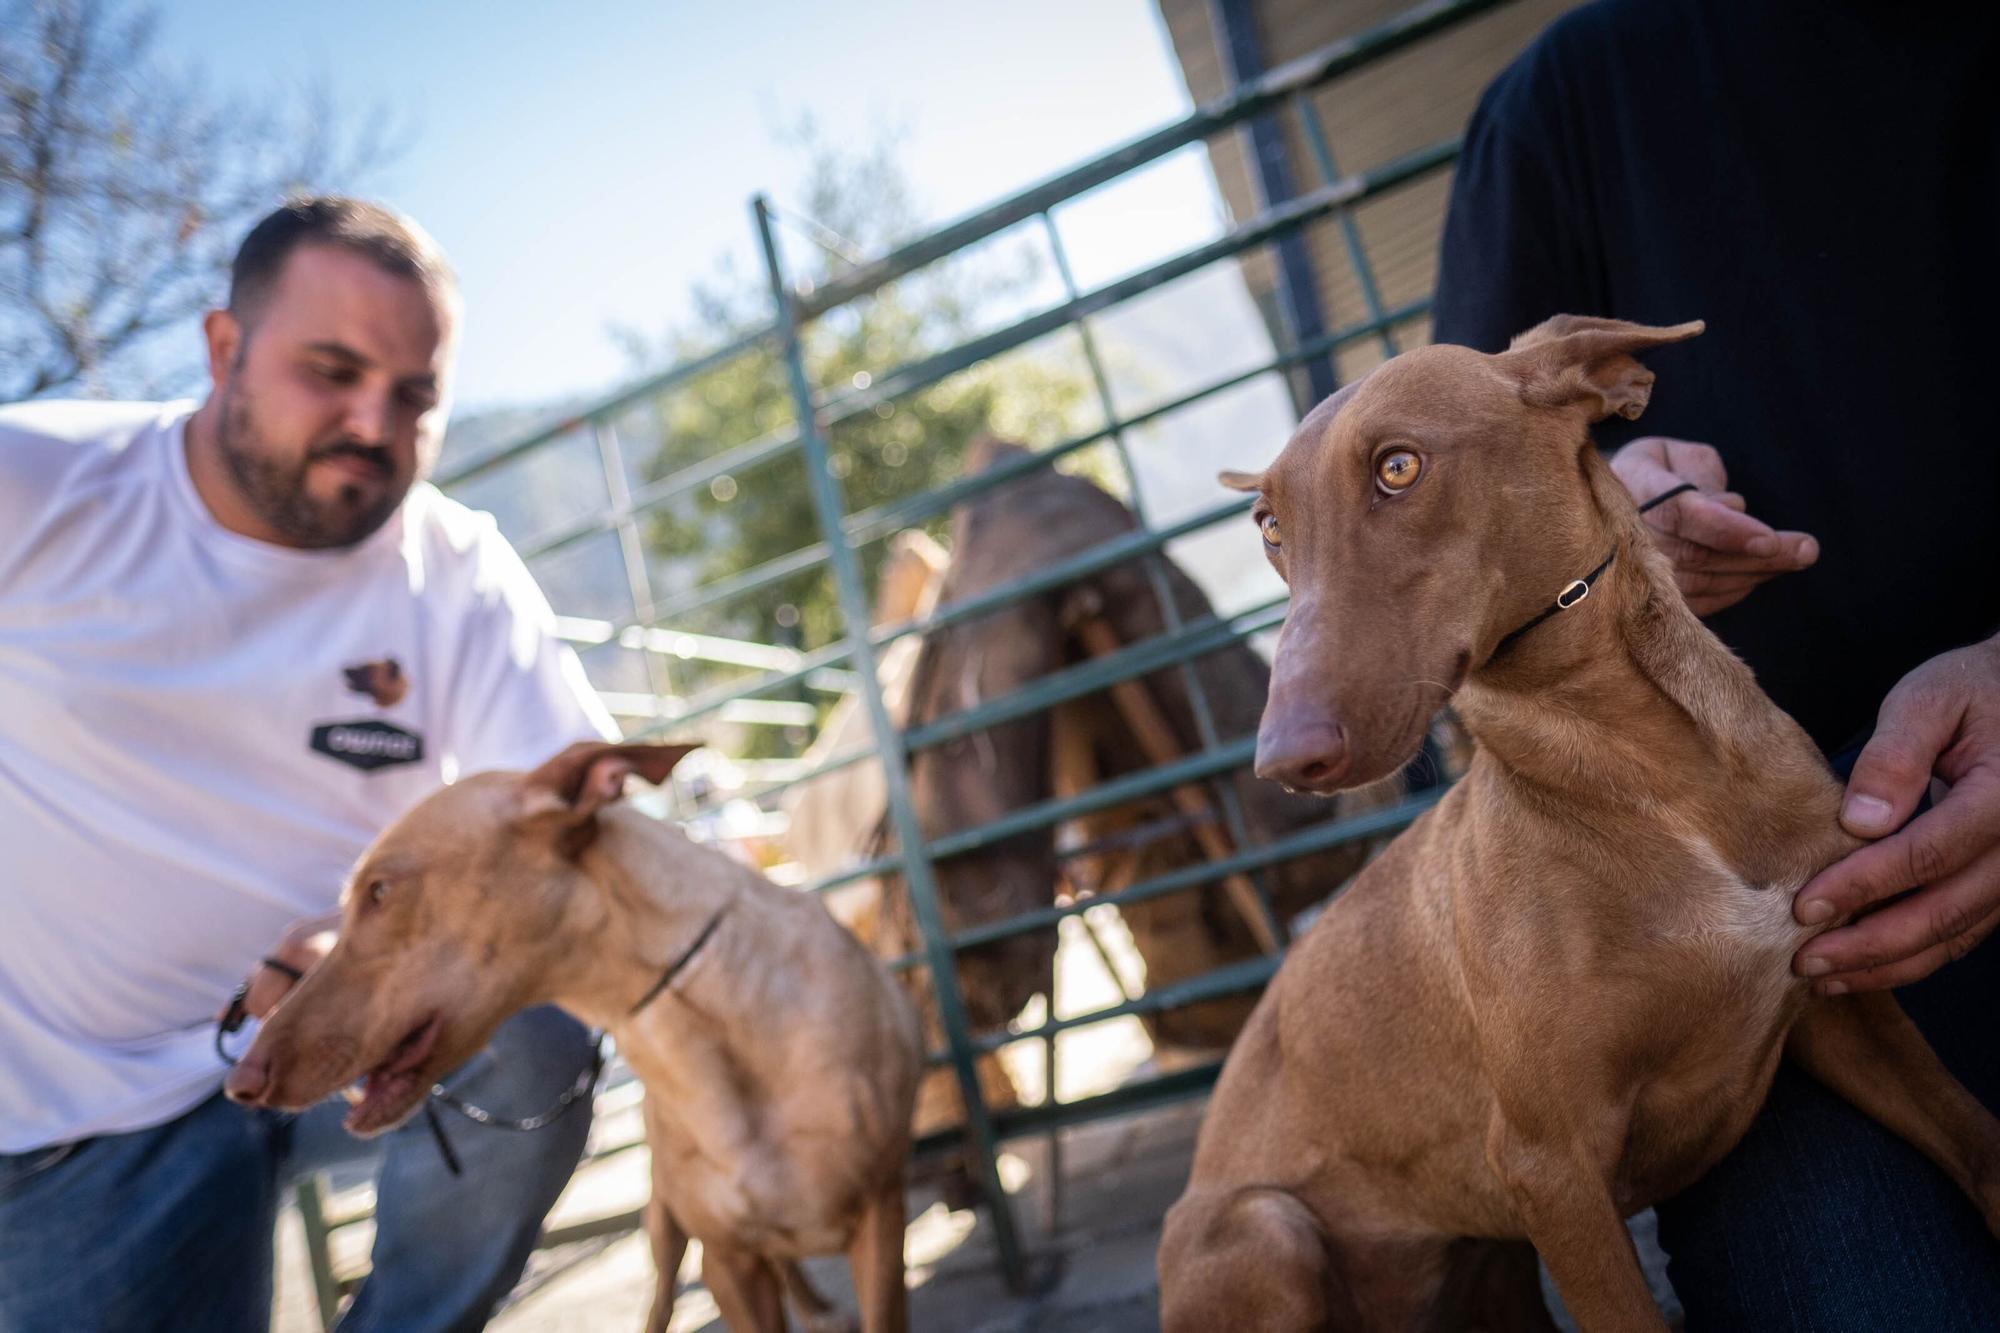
(918, 880)
(638, 578)
(1350, 234)
(1271, 179)
(319, 1249)
(1204, 714)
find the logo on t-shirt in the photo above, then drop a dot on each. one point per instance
(382, 681)
(368, 744)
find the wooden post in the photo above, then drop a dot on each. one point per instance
(1156, 737)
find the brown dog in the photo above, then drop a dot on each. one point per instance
(1559, 996)
(780, 1063)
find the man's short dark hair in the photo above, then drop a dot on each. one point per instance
(393, 241)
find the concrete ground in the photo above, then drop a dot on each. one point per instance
(1091, 1233)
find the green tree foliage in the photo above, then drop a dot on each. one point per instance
(858, 205)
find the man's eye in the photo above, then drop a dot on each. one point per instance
(333, 374)
(1268, 525)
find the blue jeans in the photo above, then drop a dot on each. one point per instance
(171, 1227)
(1822, 1220)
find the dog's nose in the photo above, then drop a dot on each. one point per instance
(1303, 755)
(248, 1081)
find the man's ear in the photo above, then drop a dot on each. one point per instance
(1588, 363)
(222, 335)
(589, 775)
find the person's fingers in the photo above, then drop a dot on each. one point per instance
(1713, 593)
(1795, 551)
(1915, 724)
(268, 985)
(1953, 834)
(1698, 463)
(1705, 522)
(1901, 971)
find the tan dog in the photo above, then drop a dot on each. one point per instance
(779, 1061)
(1561, 995)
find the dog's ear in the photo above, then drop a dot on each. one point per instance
(1587, 363)
(583, 779)
(1241, 481)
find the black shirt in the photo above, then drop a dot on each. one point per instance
(1820, 181)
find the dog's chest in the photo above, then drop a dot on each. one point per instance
(1728, 999)
(1722, 923)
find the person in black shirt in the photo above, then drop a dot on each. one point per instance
(1819, 180)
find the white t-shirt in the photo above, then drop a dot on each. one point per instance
(200, 732)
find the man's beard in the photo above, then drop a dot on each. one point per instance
(276, 489)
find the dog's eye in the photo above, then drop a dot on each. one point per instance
(1396, 470)
(378, 889)
(1268, 525)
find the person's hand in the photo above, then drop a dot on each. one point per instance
(1718, 551)
(1943, 719)
(302, 945)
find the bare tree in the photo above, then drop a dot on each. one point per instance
(125, 186)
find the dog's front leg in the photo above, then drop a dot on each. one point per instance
(1560, 1193)
(663, 1228)
(1866, 1049)
(876, 1257)
(669, 1245)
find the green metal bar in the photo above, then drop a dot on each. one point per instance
(715, 700)
(723, 590)
(1229, 979)
(884, 520)
(319, 1253)
(893, 515)
(881, 865)
(1024, 1121)
(1161, 777)
(1278, 220)
(1163, 595)
(684, 645)
(617, 402)
(737, 458)
(1350, 233)
(615, 1224)
(631, 549)
(1177, 1086)
(1328, 62)
(1195, 639)
(1315, 838)
(918, 880)
(1069, 683)
(1097, 558)
(845, 759)
(1265, 93)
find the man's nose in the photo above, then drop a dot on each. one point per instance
(1303, 753)
(368, 416)
(249, 1080)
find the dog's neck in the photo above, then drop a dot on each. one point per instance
(634, 926)
(1627, 700)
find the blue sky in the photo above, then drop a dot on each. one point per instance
(582, 163)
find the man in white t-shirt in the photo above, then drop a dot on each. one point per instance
(236, 641)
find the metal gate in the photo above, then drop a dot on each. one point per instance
(646, 626)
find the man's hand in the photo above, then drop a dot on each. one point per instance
(302, 945)
(1719, 552)
(1944, 719)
